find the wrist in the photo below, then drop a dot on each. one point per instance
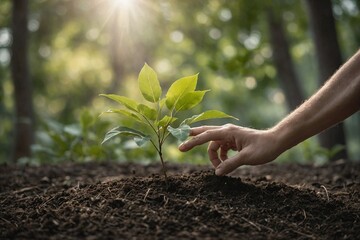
(275, 139)
(286, 137)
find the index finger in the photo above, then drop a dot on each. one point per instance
(197, 130)
(206, 136)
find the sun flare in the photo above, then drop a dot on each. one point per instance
(124, 4)
(127, 12)
(126, 22)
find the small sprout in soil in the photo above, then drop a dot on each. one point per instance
(159, 112)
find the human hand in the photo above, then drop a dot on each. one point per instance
(254, 147)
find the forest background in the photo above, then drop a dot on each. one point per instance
(260, 59)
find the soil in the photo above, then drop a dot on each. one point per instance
(132, 201)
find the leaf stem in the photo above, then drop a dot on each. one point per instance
(156, 148)
(149, 123)
(166, 136)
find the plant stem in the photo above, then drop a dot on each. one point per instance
(162, 162)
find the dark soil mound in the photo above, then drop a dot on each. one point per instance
(129, 201)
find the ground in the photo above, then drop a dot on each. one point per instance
(132, 201)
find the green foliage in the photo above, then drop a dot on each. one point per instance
(329, 153)
(74, 142)
(158, 117)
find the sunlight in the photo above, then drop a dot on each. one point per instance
(125, 9)
(125, 4)
(126, 13)
(122, 10)
(129, 16)
(124, 26)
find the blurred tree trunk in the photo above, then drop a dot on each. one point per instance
(24, 113)
(283, 61)
(329, 60)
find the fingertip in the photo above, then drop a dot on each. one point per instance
(185, 146)
(219, 171)
(182, 147)
(227, 166)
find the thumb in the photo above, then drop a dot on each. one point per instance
(229, 165)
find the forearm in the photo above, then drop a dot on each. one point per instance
(334, 102)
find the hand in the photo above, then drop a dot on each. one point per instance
(254, 146)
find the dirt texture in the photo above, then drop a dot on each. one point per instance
(132, 201)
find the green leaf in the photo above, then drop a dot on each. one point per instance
(179, 88)
(147, 111)
(127, 132)
(210, 114)
(181, 133)
(73, 130)
(140, 141)
(166, 120)
(110, 134)
(125, 113)
(127, 102)
(190, 100)
(162, 102)
(335, 150)
(86, 119)
(149, 84)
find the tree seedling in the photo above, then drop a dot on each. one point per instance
(158, 113)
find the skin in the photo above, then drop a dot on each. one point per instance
(332, 103)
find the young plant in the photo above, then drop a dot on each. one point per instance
(159, 113)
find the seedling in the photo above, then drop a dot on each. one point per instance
(159, 113)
